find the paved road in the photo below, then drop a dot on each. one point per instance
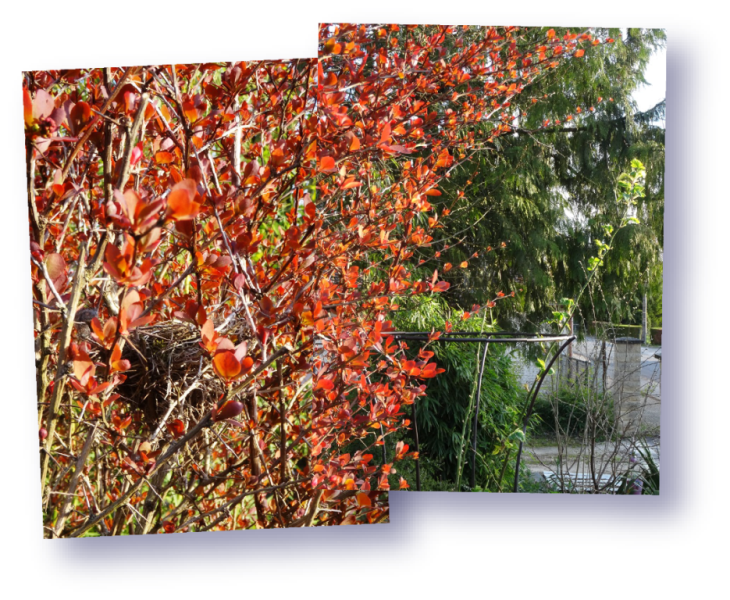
(610, 461)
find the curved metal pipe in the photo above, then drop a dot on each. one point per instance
(423, 337)
(458, 333)
(532, 405)
(472, 481)
(494, 337)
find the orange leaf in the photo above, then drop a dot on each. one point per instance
(444, 159)
(176, 428)
(117, 363)
(430, 370)
(246, 364)
(226, 364)
(363, 499)
(385, 135)
(326, 384)
(327, 165)
(351, 183)
(27, 107)
(191, 112)
(181, 201)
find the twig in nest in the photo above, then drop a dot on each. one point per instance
(142, 356)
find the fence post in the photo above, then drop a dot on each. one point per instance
(627, 380)
(604, 364)
(658, 354)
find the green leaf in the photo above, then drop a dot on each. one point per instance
(517, 435)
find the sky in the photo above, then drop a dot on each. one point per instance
(647, 96)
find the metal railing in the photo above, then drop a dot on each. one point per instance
(504, 337)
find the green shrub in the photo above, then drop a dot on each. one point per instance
(444, 413)
(441, 414)
(570, 409)
(647, 481)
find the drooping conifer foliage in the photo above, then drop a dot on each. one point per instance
(547, 188)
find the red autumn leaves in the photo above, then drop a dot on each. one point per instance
(176, 428)
(139, 215)
(327, 165)
(83, 370)
(129, 211)
(229, 362)
(142, 219)
(421, 367)
(183, 202)
(121, 264)
(43, 118)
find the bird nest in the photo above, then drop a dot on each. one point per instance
(170, 376)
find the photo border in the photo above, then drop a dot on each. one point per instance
(421, 521)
